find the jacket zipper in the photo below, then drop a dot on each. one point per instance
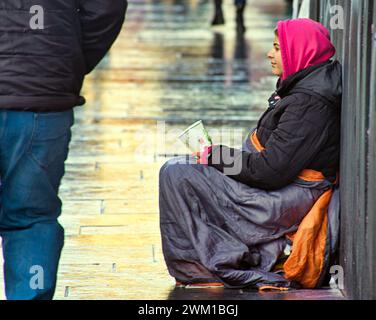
(270, 108)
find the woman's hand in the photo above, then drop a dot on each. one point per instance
(202, 157)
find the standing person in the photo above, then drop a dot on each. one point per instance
(46, 51)
(219, 17)
(227, 220)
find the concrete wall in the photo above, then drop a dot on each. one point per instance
(355, 41)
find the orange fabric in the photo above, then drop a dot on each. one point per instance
(264, 288)
(291, 236)
(311, 175)
(306, 260)
(256, 142)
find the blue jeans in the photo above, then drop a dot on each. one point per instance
(240, 2)
(33, 149)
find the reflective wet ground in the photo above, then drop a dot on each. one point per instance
(168, 69)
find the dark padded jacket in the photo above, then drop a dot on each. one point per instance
(299, 131)
(43, 69)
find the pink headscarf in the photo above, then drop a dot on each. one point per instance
(303, 43)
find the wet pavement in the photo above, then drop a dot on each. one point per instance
(168, 69)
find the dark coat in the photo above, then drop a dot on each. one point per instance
(43, 69)
(299, 131)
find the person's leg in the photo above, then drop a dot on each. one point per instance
(239, 3)
(34, 147)
(218, 13)
(240, 7)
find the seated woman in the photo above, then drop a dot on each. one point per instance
(225, 219)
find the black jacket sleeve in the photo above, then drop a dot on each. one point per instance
(299, 136)
(101, 22)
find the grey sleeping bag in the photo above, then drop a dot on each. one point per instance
(214, 228)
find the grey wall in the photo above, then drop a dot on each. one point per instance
(356, 49)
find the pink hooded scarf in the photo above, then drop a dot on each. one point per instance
(303, 43)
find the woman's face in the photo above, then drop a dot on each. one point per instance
(275, 58)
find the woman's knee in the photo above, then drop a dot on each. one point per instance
(175, 167)
(171, 171)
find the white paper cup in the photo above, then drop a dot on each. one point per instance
(195, 137)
